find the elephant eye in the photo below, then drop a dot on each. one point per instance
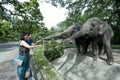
(90, 29)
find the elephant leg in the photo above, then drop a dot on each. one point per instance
(85, 46)
(78, 47)
(100, 46)
(78, 43)
(108, 51)
(95, 50)
(84, 49)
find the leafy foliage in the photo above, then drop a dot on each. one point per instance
(53, 50)
(44, 68)
(31, 17)
(26, 16)
(6, 32)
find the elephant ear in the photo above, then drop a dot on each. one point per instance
(102, 29)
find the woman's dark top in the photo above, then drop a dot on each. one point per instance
(23, 51)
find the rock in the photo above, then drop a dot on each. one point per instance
(82, 67)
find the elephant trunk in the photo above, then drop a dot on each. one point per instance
(56, 36)
(78, 34)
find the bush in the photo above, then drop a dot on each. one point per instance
(54, 50)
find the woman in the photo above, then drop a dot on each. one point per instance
(24, 55)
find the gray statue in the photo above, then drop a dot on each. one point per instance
(101, 34)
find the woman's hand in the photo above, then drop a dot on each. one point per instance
(38, 45)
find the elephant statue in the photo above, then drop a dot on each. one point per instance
(100, 33)
(71, 30)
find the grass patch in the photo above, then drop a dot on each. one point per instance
(115, 46)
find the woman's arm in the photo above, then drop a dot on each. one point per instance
(23, 43)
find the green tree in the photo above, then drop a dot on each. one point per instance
(29, 15)
(25, 17)
(4, 30)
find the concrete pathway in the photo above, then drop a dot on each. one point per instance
(8, 71)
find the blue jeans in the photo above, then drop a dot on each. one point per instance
(21, 71)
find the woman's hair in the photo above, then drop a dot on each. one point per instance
(23, 34)
(29, 33)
